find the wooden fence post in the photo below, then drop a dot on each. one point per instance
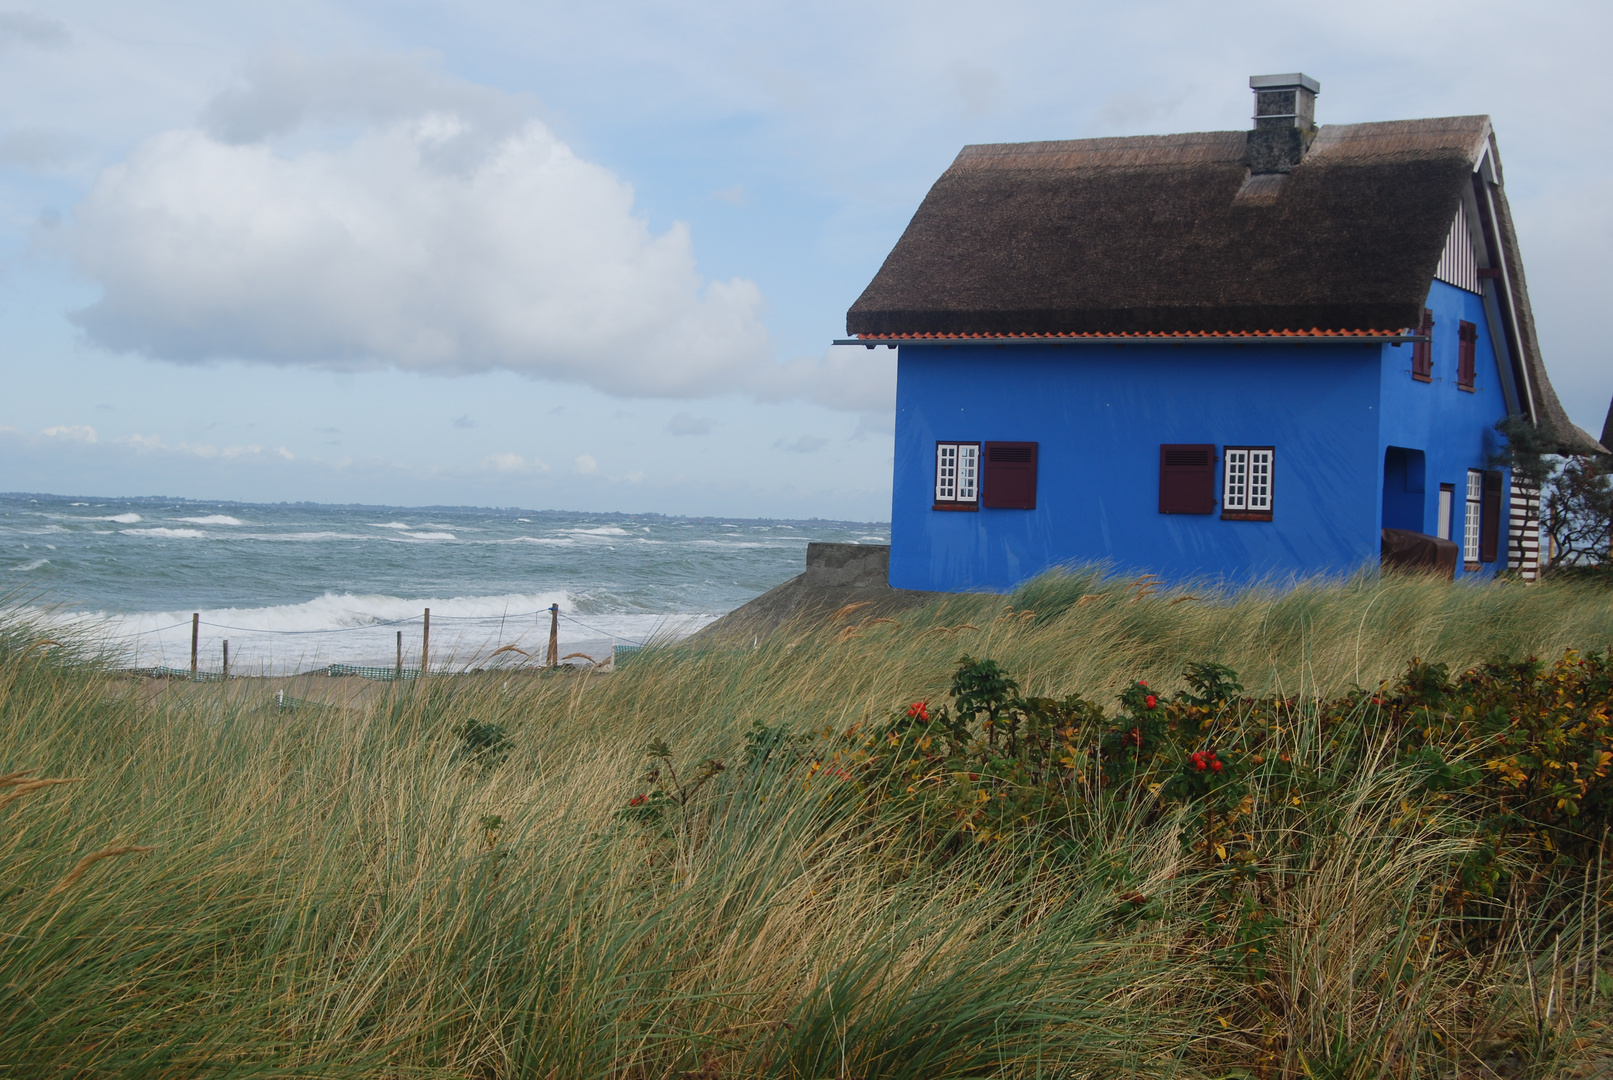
(554, 636)
(226, 658)
(400, 656)
(425, 645)
(195, 639)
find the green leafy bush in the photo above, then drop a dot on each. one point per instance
(1522, 750)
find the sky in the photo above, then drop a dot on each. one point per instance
(592, 256)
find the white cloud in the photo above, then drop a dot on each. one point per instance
(458, 238)
(585, 465)
(688, 424)
(513, 463)
(76, 432)
(850, 378)
(156, 444)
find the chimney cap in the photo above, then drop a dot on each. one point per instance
(1275, 82)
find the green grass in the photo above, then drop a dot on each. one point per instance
(326, 893)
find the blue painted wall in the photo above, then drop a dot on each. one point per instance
(1100, 413)
(1454, 429)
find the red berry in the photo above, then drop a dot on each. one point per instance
(1150, 701)
(1216, 765)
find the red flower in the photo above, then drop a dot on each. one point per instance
(1150, 701)
(637, 800)
(919, 709)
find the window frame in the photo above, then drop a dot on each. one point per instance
(1472, 519)
(1445, 512)
(955, 503)
(1235, 507)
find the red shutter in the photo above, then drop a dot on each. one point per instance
(1422, 352)
(1187, 478)
(1008, 475)
(1490, 517)
(1467, 336)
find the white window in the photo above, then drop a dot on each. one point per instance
(1246, 487)
(957, 474)
(1470, 523)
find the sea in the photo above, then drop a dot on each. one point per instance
(296, 587)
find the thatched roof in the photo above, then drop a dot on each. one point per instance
(1170, 233)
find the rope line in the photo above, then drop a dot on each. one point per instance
(597, 630)
(394, 622)
(333, 630)
(500, 619)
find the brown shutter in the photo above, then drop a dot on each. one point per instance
(1467, 336)
(1008, 475)
(1187, 478)
(1422, 352)
(1490, 517)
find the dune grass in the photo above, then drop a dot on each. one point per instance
(217, 888)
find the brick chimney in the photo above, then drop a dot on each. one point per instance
(1284, 122)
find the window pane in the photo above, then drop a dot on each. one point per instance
(946, 472)
(968, 472)
(1470, 522)
(1236, 494)
(1260, 479)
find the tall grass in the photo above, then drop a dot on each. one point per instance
(227, 889)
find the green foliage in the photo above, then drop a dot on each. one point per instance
(667, 791)
(483, 744)
(1576, 495)
(1524, 749)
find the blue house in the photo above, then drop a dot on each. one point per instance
(1236, 355)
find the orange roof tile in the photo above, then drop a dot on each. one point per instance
(1141, 334)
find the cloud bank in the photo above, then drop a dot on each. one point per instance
(449, 234)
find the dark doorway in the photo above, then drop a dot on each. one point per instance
(1403, 486)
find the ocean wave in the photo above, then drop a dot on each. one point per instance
(121, 519)
(213, 519)
(363, 629)
(554, 541)
(25, 567)
(431, 536)
(159, 531)
(388, 525)
(603, 530)
(310, 536)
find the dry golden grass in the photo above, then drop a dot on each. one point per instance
(347, 891)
